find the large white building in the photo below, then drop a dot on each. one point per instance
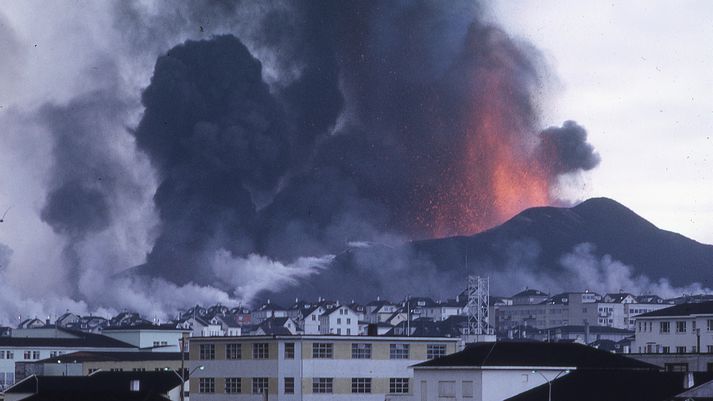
(53, 343)
(308, 367)
(685, 328)
(340, 320)
(161, 338)
(498, 370)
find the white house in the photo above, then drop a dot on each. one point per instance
(340, 320)
(685, 328)
(498, 370)
(148, 336)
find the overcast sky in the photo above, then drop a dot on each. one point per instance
(639, 76)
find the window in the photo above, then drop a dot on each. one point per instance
(259, 385)
(710, 324)
(349, 321)
(468, 389)
(232, 385)
(26, 355)
(666, 349)
(447, 389)
(680, 327)
(361, 385)
(398, 351)
(52, 354)
(289, 385)
(206, 385)
(435, 351)
(339, 320)
(665, 327)
(680, 349)
(710, 349)
(322, 385)
(156, 343)
(676, 367)
(322, 350)
(361, 351)
(398, 385)
(134, 385)
(2, 354)
(261, 351)
(233, 351)
(206, 351)
(289, 350)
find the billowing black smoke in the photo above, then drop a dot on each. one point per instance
(375, 107)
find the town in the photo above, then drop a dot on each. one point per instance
(475, 346)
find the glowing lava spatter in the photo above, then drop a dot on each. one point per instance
(496, 174)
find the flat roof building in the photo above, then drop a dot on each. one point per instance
(308, 367)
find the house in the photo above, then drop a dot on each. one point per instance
(167, 337)
(31, 324)
(266, 311)
(498, 370)
(684, 328)
(529, 296)
(283, 326)
(625, 385)
(339, 320)
(309, 368)
(67, 319)
(380, 310)
(100, 386)
(33, 348)
(228, 325)
(83, 363)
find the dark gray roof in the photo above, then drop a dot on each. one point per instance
(84, 356)
(84, 340)
(98, 387)
(629, 385)
(533, 354)
(682, 310)
(529, 293)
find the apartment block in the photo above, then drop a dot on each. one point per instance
(681, 329)
(308, 367)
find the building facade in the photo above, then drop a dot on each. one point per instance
(308, 367)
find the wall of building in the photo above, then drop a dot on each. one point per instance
(341, 368)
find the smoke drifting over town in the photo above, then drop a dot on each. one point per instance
(268, 136)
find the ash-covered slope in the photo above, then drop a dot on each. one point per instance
(530, 244)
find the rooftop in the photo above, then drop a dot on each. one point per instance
(84, 356)
(703, 308)
(534, 354)
(627, 385)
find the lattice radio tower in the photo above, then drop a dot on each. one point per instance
(478, 296)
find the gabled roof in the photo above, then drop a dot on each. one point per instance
(535, 354)
(334, 310)
(629, 385)
(703, 308)
(618, 297)
(270, 306)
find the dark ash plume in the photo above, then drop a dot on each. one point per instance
(568, 149)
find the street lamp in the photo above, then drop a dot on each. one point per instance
(183, 380)
(549, 382)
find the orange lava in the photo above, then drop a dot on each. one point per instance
(495, 175)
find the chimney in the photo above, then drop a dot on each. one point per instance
(688, 380)
(586, 332)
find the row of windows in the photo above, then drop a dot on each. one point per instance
(27, 354)
(320, 385)
(234, 351)
(319, 351)
(665, 349)
(681, 326)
